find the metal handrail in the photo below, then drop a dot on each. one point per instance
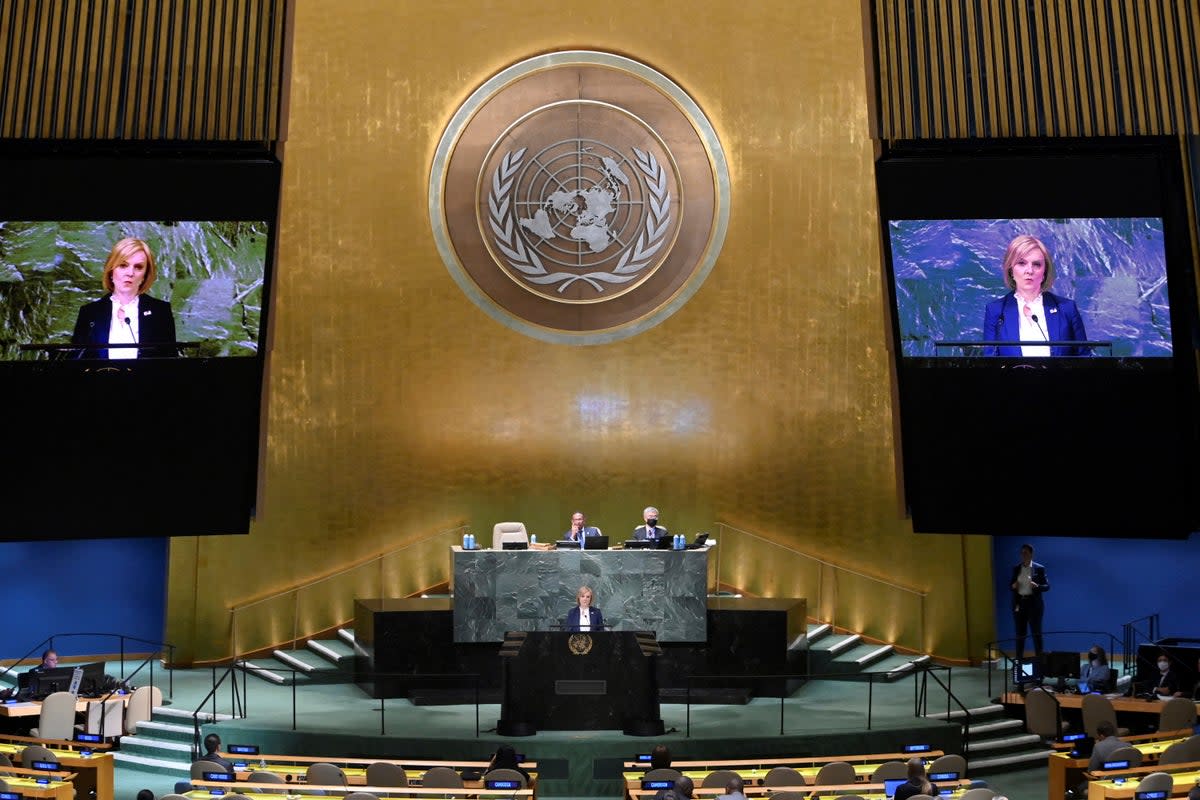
(994, 653)
(920, 595)
(236, 610)
(1130, 632)
(923, 708)
(48, 644)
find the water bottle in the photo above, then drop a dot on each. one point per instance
(533, 538)
(471, 540)
(466, 541)
(582, 536)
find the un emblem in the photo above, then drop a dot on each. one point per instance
(579, 197)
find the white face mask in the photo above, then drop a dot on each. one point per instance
(1162, 666)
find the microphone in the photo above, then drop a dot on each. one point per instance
(1034, 317)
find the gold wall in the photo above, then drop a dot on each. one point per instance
(396, 408)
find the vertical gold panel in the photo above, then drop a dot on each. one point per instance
(398, 409)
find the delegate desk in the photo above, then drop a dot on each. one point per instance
(271, 791)
(92, 773)
(497, 591)
(753, 771)
(1121, 784)
(864, 790)
(33, 708)
(1066, 772)
(294, 768)
(39, 784)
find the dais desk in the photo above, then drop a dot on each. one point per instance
(1065, 772)
(496, 591)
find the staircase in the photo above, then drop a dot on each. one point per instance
(847, 654)
(319, 659)
(163, 743)
(997, 743)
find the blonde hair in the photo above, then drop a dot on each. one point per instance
(120, 254)
(1021, 246)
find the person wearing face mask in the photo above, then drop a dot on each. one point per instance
(1029, 313)
(651, 531)
(1096, 674)
(127, 315)
(1167, 685)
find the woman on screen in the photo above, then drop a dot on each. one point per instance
(583, 617)
(1029, 312)
(127, 315)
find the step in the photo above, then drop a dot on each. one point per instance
(175, 713)
(273, 671)
(818, 631)
(1007, 762)
(157, 748)
(159, 766)
(976, 713)
(347, 636)
(335, 651)
(838, 644)
(997, 726)
(168, 731)
(1007, 743)
(305, 660)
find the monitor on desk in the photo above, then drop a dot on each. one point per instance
(46, 682)
(1027, 670)
(1062, 664)
(595, 542)
(92, 684)
(891, 785)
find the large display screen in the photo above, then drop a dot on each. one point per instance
(194, 287)
(1102, 285)
(1044, 328)
(135, 295)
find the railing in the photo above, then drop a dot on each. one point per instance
(894, 614)
(1136, 632)
(239, 695)
(48, 644)
(921, 699)
(327, 601)
(995, 653)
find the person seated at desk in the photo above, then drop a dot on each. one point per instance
(49, 661)
(660, 757)
(583, 617)
(212, 747)
(1107, 743)
(579, 527)
(735, 789)
(1096, 674)
(651, 531)
(1167, 685)
(506, 758)
(918, 783)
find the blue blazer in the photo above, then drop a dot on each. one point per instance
(573, 619)
(1001, 323)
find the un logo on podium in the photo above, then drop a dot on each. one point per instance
(579, 197)
(580, 644)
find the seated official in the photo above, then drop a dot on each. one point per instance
(580, 528)
(1096, 672)
(212, 747)
(506, 758)
(1107, 743)
(1167, 685)
(583, 617)
(49, 661)
(651, 531)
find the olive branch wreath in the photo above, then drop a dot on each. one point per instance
(526, 259)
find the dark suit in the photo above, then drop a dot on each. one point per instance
(1027, 611)
(588, 530)
(155, 324)
(216, 758)
(910, 789)
(643, 532)
(573, 619)
(1001, 323)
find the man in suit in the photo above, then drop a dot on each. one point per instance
(1028, 583)
(583, 617)
(212, 752)
(651, 531)
(579, 527)
(734, 789)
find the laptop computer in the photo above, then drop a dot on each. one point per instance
(891, 785)
(595, 542)
(701, 538)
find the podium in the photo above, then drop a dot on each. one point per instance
(559, 680)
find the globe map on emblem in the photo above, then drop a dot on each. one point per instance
(579, 197)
